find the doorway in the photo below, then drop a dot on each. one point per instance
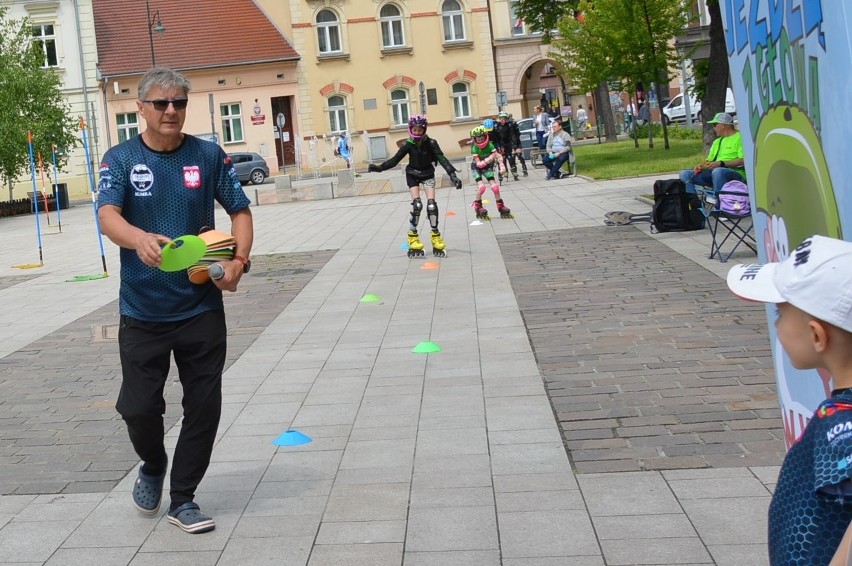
(284, 139)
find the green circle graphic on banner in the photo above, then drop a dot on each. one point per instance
(182, 252)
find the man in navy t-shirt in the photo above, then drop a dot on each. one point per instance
(155, 187)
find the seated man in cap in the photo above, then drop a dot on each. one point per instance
(725, 160)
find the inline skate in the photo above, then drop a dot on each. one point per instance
(481, 213)
(504, 210)
(415, 246)
(438, 245)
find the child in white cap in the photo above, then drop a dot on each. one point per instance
(812, 504)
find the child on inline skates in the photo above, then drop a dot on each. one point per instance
(484, 158)
(423, 152)
(507, 138)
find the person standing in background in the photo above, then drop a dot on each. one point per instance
(540, 123)
(570, 120)
(582, 118)
(344, 151)
(644, 115)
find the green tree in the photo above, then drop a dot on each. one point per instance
(32, 100)
(544, 16)
(622, 41)
(717, 73)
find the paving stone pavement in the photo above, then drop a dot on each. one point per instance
(59, 431)
(649, 365)
(453, 458)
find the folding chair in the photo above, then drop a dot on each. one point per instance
(724, 226)
(709, 201)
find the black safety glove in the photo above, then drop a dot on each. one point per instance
(373, 168)
(455, 179)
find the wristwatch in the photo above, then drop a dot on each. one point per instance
(721, 164)
(245, 261)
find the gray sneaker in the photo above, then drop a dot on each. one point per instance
(190, 519)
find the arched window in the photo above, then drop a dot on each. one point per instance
(399, 107)
(337, 113)
(391, 18)
(328, 32)
(453, 18)
(461, 100)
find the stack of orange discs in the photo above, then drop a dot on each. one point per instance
(220, 247)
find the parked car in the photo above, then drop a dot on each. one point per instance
(528, 138)
(250, 167)
(675, 110)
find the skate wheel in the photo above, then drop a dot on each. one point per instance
(439, 253)
(416, 253)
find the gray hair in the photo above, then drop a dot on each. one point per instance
(165, 78)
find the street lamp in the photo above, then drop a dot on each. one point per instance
(159, 28)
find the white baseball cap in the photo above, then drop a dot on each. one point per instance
(816, 278)
(722, 118)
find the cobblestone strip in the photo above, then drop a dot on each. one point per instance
(59, 432)
(649, 361)
(11, 281)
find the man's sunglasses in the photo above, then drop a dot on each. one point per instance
(161, 105)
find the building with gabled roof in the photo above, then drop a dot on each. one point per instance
(204, 35)
(242, 69)
(323, 67)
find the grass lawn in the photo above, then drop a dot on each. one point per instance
(621, 159)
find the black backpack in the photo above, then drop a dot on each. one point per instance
(675, 210)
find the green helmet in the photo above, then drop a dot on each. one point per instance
(503, 115)
(479, 132)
